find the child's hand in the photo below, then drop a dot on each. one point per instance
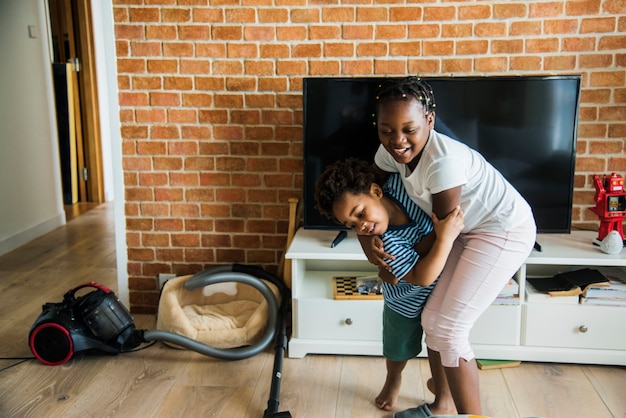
(377, 253)
(449, 227)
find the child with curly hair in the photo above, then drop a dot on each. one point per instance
(350, 193)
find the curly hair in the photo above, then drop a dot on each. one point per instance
(403, 88)
(344, 176)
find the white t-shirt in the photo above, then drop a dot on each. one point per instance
(488, 200)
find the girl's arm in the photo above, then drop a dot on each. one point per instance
(443, 203)
(446, 201)
(430, 266)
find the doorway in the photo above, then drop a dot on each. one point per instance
(76, 97)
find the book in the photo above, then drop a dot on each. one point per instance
(570, 283)
(506, 300)
(604, 301)
(485, 364)
(509, 295)
(510, 289)
(616, 289)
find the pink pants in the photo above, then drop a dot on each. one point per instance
(477, 269)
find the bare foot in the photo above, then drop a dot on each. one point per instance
(437, 408)
(388, 395)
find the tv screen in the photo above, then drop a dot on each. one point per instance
(525, 126)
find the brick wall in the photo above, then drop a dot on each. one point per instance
(211, 107)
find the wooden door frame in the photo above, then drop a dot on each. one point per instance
(89, 101)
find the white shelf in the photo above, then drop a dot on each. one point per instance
(575, 249)
(312, 244)
(530, 331)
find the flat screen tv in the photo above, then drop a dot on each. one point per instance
(526, 126)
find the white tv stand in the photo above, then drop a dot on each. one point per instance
(530, 331)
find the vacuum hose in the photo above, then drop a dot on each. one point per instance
(216, 275)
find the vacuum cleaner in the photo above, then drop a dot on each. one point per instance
(98, 322)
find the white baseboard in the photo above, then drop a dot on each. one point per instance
(11, 243)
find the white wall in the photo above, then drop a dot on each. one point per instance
(31, 201)
(106, 60)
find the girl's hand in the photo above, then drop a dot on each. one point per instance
(449, 227)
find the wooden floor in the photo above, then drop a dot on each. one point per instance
(165, 382)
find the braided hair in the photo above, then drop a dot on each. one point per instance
(404, 89)
(344, 176)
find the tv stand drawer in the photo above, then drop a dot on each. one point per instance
(574, 326)
(339, 319)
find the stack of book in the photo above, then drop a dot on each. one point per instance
(509, 294)
(612, 295)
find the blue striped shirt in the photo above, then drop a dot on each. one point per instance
(405, 298)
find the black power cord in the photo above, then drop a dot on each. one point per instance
(22, 360)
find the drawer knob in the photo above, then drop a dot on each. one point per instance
(349, 321)
(583, 328)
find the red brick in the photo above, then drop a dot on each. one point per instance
(185, 210)
(227, 33)
(168, 195)
(240, 15)
(214, 50)
(144, 14)
(161, 32)
(358, 32)
(439, 13)
(164, 132)
(525, 28)
(129, 32)
(493, 64)
(162, 66)
(457, 30)
(509, 10)
(475, 12)
(456, 65)
(612, 42)
(404, 13)
(259, 33)
(434, 48)
(477, 47)
(176, 15)
(293, 33)
(182, 116)
(598, 25)
(309, 15)
(273, 15)
(490, 29)
(212, 15)
(560, 63)
(548, 9)
(164, 99)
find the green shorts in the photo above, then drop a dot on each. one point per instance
(402, 336)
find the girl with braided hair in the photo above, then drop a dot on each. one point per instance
(439, 174)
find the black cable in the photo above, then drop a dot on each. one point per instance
(23, 360)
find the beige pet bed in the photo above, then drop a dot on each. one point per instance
(222, 315)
